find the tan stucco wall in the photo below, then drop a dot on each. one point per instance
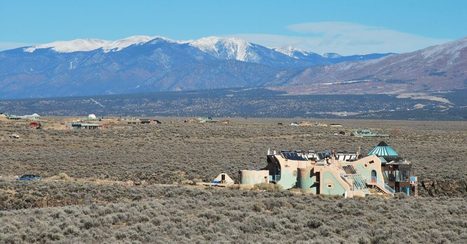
(364, 168)
(253, 177)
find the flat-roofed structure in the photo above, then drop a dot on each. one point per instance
(90, 126)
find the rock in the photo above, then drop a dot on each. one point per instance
(445, 187)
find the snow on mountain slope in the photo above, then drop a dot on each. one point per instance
(126, 42)
(452, 49)
(293, 52)
(70, 46)
(219, 47)
(222, 48)
(226, 48)
(84, 45)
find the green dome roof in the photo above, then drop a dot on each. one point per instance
(385, 151)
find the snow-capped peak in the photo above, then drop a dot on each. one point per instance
(126, 42)
(157, 39)
(84, 45)
(226, 48)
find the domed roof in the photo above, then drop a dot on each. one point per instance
(385, 151)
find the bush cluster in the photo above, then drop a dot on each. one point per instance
(186, 214)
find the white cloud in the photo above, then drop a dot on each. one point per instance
(11, 45)
(344, 38)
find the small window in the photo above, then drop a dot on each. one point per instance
(329, 185)
(372, 161)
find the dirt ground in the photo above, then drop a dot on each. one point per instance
(106, 183)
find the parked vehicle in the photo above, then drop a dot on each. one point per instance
(29, 177)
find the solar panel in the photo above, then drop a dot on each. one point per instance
(292, 155)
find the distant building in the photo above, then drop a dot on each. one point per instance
(367, 133)
(79, 125)
(145, 121)
(133, 122)
(14, 117)
(150, 121)
(294, 124)
(206, 120)
(33, 116)
(92, 117)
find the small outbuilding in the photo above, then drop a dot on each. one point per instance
(253, 177)
(133, 122)
(223, 178)
(203, 120)
(92, 117)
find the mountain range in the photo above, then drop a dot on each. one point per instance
(433, 69)
(145, 64)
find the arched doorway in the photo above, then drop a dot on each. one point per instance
(374, 178)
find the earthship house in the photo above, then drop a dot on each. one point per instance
(330, 173)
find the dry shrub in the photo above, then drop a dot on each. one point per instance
(186, 214)
(61, 176)
(267, 187)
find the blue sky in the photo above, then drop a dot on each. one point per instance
(357, 26)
